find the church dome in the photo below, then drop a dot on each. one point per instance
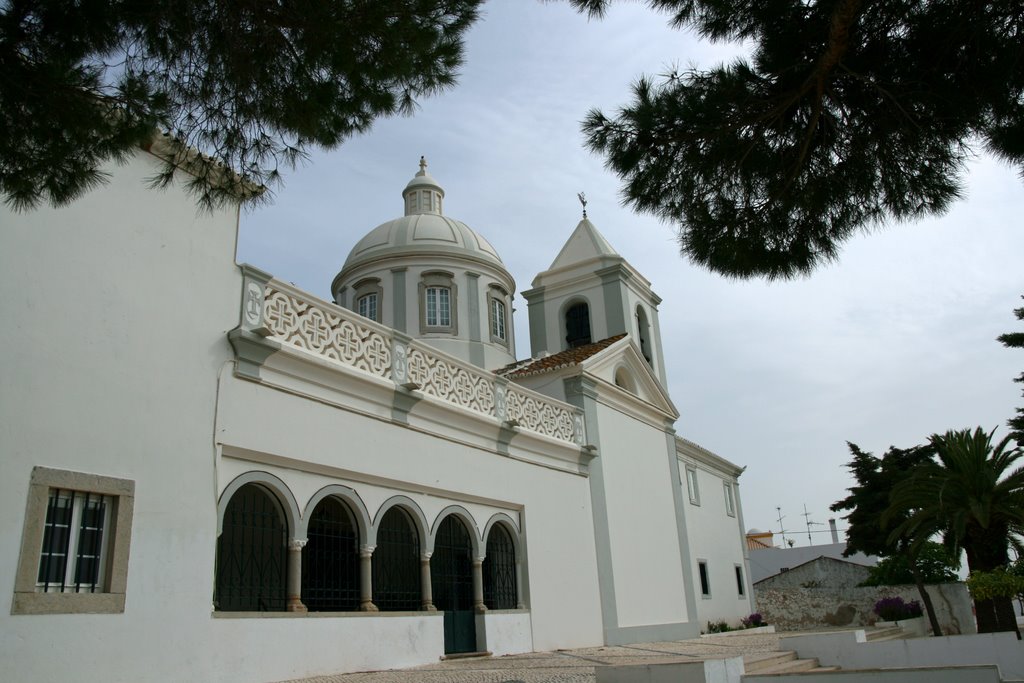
(422, 231)
(432, 278)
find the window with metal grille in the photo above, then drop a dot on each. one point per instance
(438, 307)
(368, 306)
(499, 570)
(252, 553)
(577, 325)
(451, 566)
(396, 564)
(330, 560)
(74, 542)
(705, 583)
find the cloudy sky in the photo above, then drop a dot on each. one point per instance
(894, 342)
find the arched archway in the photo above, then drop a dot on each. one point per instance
(451, 576)
(644, 333)
(252, 553)
(396, 563)
(501, 589)
(577, 325)
(330, 559)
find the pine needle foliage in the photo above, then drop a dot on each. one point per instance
(250, 85)
(1015, 340)
(849, 114)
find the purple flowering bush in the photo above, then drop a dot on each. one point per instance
(753, 621)
(895, 609)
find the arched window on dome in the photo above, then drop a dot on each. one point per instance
(368, 298)
(497, 308)
(438, 303)
(577, 325)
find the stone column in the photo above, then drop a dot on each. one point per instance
(478, 585)
(294, 581)
(520, 603)
(425, 586)
(366, 579)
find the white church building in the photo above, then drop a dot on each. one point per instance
(211, 475)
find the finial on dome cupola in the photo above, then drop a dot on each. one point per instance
(583, 200)
(423, 194)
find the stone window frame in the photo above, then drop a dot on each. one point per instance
(497, 294)
(366, 287)
(692, 485)
(704, 579)
(741, 583)
(730, 498)
(439, 278)
(110, 599)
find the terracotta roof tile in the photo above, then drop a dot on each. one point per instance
(562, 359)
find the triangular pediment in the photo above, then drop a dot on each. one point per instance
(584, 244)
(622, 365)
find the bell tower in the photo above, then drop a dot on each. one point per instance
(590, 293)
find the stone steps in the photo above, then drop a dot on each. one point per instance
(780, 663)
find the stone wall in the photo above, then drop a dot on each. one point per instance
(819, 573)
(800, 608)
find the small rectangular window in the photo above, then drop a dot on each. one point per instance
(497, 319)
(740, 585)
(74, 542)
(730, 502)
(691, 484)
(368, 306)
(438, 307)
(74, 547)
(705, 583)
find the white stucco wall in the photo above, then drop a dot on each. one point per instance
(649, 585)
(716, 538)
(115, 311)
(324, 444)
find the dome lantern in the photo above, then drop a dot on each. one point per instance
(423, 194)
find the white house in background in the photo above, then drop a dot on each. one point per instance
(211, 475)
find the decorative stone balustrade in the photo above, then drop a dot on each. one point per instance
(293, 318)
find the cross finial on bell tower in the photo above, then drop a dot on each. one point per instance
(423, 166)
(583, 200)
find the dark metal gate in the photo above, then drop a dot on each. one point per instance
(500, 591)
(251, 554)
(451, 577)
(396, 564)
(330, 560)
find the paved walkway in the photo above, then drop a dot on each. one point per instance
(562, 666)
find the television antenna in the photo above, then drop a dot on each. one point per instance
(807, 520)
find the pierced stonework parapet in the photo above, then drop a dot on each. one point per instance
(399, 360)
(579, 430)
(501, 399)
(254, 283)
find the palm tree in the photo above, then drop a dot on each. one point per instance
(974, 497)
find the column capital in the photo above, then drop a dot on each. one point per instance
(297, 544)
